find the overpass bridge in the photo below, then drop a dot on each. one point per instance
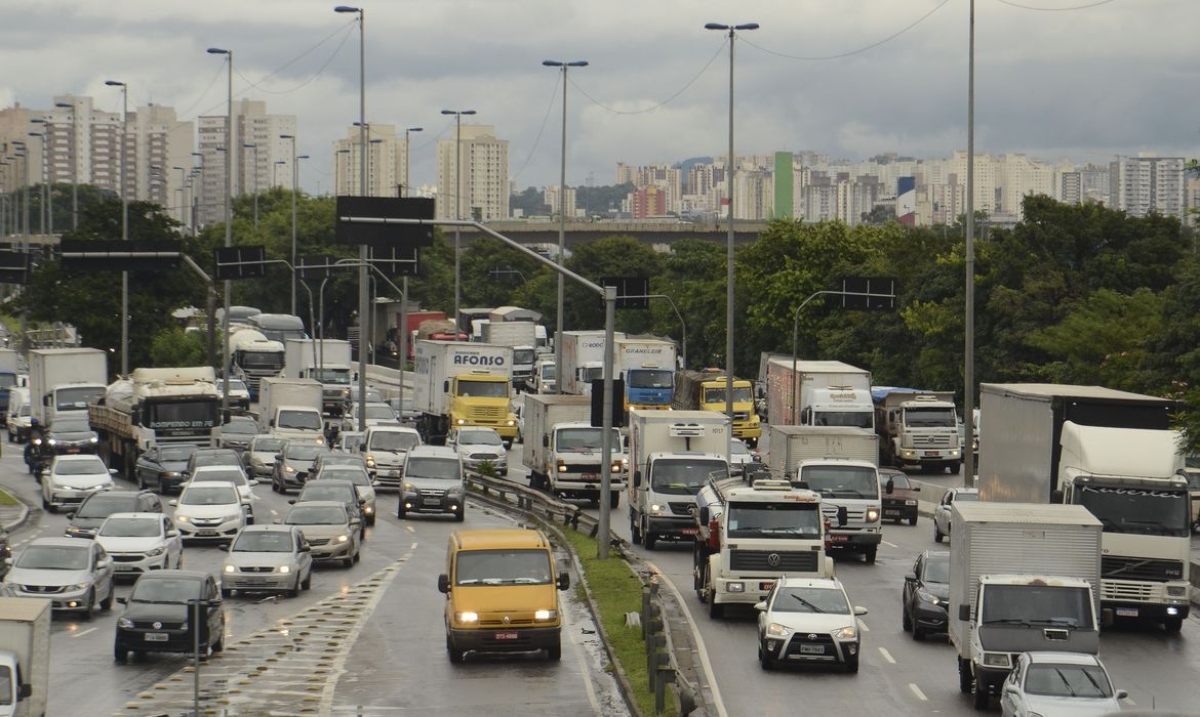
(648, 232)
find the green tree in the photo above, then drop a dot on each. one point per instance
(175, 347)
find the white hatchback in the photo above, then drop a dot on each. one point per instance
(234, 475)
(479, 445)
(140, 542)
(73, 478)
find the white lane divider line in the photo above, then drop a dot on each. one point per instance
(890, 545)
(84, 632)
(917, 691)
(887, 655)
(863, 626)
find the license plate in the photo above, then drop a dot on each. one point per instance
(121, 566)
(812, 649)
(432, 501)
(157, 637)
(1127, 612)
(72, 450)
(689, 531)
(931, 454)
(838, 538)
(891, 511)
(590, 476)
(506, 635)
(766, 586)
(206, 533)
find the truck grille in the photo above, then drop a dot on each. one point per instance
(855, 516)
(933, 440)
(1159, 571)
(760, 561)
(682, 508)
(487, 412)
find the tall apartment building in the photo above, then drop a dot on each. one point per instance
(254, 167)
(81, 144)
(481, 175)
(1141, 185)
(1020, 177)
(386, 157)
(551, 196)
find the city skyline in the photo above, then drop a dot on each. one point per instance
(1087, 84)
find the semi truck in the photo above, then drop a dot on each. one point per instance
(65, 381)
(749, 535)
(816, 393)
(582, 360)
(917, 429)
(253, 357)
(457, 383)
(327, 361)
(1114, 453)
(563, 450)
(1023, 577)
(522, 337)
(24, 656)
(291, 408)
(705, 391)
(10, 372)
(647, 365)
(411, 322)
(672, 455)
(838, 463)
(155, 406)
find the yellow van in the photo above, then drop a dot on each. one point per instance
(500, 593)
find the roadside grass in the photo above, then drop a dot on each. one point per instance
(617, 590)
(7, 499)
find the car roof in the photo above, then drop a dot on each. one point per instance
(172, 574)
(60, 542)
(219, 469)
(77, 458)
(936, 554)
(1062, 658)
(327, 482)
(215, 452)
(500, 539)
(318, 503)
(272, 527)
(392, 428)
(432, 452)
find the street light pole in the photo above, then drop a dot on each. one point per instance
(408, 160)
(729, 273)
(74, 164)
(292, 138)
(562, 215)
(124, 225)
(230, 143)
(42, 223)
(254, 147)
(457, 194)
(968, 451)
(363, 308)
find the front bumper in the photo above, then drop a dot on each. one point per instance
(820, 649)
(900, 510)
(520, 639)
(170, 639)
(929, 456)
(422, 502)
(332, 550)
(741, 591)
(930, 618)
(665, 525)
(854, 539)
(226, 530)
(137, 563)
(60, 599)
(68, 497)
(258, 581)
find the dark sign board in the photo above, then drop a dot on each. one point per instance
(364, 220)
(14, 267)
(863, 293)
(117, 255)
(395, 260)
(618, 404)
(314, 267)
(632, 291)
(240, 262)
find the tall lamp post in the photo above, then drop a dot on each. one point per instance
(254, 153)
(363, 308)
(457, 194)
(230, 143)
(562, 213)
(733, 30)
(408, 162)
(74, 164)
(42, 221)
(182, 194)
(292, 139)
(124, 225)
(968, 451)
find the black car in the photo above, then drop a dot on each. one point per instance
(159, 614)
(927, 594)
(86, 519)
(162, 467)
(211, 457)
(237, 433)
(70, 435)
(335, 489)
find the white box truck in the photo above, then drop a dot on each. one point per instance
(672, 455)
(583, 361)
(839, 464)
(1114, 453)
(65, 381)
(817, 393)
(327, 361)
(563, 450)
(1022, 578)
(522, 337)
(460, 383)
(24, 656)
(291, 408)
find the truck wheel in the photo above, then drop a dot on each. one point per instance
(456, 656)
(937, 534)
(912, 520)
(1173, 624)
(554, 653)
(982, 698)
(715, 609)
(614, 500)
(870, 554)
(635, 535)
(650, 538)
(965, 680)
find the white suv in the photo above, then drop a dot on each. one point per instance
(477, 445)
(384, 448)
(807, 621)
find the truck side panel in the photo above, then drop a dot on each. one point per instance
(1017, 465)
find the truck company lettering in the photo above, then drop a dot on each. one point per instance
(477, 360)
(643, 350)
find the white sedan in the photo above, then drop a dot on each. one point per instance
(230, 474)
(1059, 683)
(73, 478)
(941, 512)
(808, 620)
(141, 542)
(209, 511)
(479, 445)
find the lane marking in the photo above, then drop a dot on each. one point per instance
(917, 691)
(863, 625)
(85, 632)
(887, 655)
(890, 545)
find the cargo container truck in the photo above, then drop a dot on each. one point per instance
(647, 365)
(253, 357)
(24, 656)
(326, 361)
(458, 383)
(291, 408)
(563, 449)
(917, 429)
(816, 393)
(583, 360)
(522, 337)
(705, 391)
(65, 381)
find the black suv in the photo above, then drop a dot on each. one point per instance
(927, 595)
(86, 519)
(158, 614)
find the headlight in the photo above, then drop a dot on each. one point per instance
(183, 518)
(171, 474)
(736, 587)
(79, 586)
(545, 615)
(37, 441)
(926, 596)
(410, 487)
(235, 516)
(94, 439)
(124, 623)
(460, 422)
(370, 461)
(615, 467)
(289, 469)
(562, 467)
(466, 617)
(53, 441)
(156, 552)
(76, 530)
(510, 423)
(369, 509)
(996, 659)
(656, 509)
(456, 490)
(872, 515)
(285, 569)
(777, 630)
(342, 539)
(846, 633)
(230, 568)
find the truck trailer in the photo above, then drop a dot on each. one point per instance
(326, 361)
(917, 429)
(816, 393)
(65, 381)
(24, 656)
(291, 408)
(563, 450)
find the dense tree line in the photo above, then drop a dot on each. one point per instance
(1072, 294)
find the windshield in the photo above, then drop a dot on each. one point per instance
(966, 497)
(685, 477)
(267, 360)
(768, 520)
(937, 570)
(440, 468)
(266, 444)
(482, 389)
(1036, 604)
(479, 438)
(549, 372)
(524, 356)
(176, 453)
(216, 458)
(317, 515)
(6, 685)
(102, 506)
(842, 481)
(381, 410)
(304, 451)
(1138, 511)
(357, 477)
(131, 528)
(899, 480)
(300, 420)
(337, 376)
(234, 385)
(79, 468)
(1067, 681)
(811, 600)
(930, 418)
(717, 395)
(586, 440)
(262, 541)
(394, 441)
(851, 419)
(502, 567)
(67, 399)
(647, 378)
(183, 416)
(233, 475)
(242, 427)
(204, 494)
(165, 590)
(53, 557)
(592, 374)
(70, 425)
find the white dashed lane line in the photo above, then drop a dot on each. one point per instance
(887, 655)
(917, 691)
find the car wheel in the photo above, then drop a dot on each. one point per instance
(870, 554)
(119, 653)
(456, 656)
(141, 481)
(90, 605)
(905, 621)
(295, 589)
(219, 645)
(634, 534)
(400, 511)
(226, 592)
(913, 519)
(107, 602)
(650, 538)
(715, 610)
(554, 653)
(981, 696)
(307, 582)
(614, 500)
(918, 633)
(348, 561)
(765, 658)
(937, 534)
(461, 515)
(1173, 624)
(965, 680)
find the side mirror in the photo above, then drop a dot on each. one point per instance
(704, 515)
(304, 548)
(859, 610)
(910, 578)
(545, 441)
(915, 489)
(123, 600)
(890, 486)
(172, 533)
(443, 583)
(25, 691)
(1122, 694)
(70, 515)
(112, 471)
(564, 581)
(291, 501)
(173, 502)
(637, 479)
(964, 612)
(761, 606)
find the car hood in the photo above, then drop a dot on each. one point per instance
(316, 532)
(939, 590)
(129, 545)
(365, 492)
(173, 466)
(87, 523)
(208, 511)
(168, 612)
(473, 451)
(1072, 706)
(257, 559)
(33, 576)
(84, 481)
(262, 456)
(73, 436)
(812, 622)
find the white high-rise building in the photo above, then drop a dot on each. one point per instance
(550, 195)
(254, 167)
(1141, 185)
(386, 156)
(482, 175)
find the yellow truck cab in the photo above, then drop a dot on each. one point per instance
(501, 593)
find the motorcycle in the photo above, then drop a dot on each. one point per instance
(35, 457)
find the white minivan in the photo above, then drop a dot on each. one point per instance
(17, 418)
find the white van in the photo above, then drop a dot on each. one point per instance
(17, 418)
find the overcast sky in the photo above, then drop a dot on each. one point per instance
(1085, 79)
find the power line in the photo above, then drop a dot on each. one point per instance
(541, 129)
(720, 51)
(1054, 9)
(860, 50)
